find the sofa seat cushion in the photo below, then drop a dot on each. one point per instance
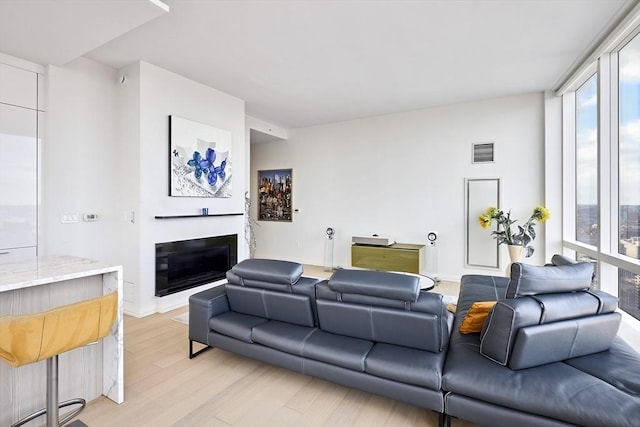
(622, 367)
(339, 350)
(282, 336)
(406, 365)
(236, 325)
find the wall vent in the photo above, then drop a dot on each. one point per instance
(483, 152)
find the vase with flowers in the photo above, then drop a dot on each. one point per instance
(518, 240)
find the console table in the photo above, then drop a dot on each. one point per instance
(41, 283)
(397, 257)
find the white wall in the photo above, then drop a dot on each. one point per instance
(81, 161)
(401, 175)
(128, 125)
(106, 152)
(163, 93)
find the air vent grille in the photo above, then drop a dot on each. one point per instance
(483, 152)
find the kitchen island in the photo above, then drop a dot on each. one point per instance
(39, 284)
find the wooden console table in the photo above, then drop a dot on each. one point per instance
(397, 257)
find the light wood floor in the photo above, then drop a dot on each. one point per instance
(217, 388)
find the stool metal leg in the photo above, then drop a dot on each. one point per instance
(52, 391)
(52, 405)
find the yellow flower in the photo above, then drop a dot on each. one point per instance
(541, 214)
(492, 212)
(484, 220)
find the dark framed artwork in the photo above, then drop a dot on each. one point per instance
(199, 159)
(275, 195)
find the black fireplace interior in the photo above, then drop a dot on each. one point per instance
(186, 264)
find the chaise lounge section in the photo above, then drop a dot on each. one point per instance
(547, 354)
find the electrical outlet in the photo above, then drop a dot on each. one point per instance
(69, 218)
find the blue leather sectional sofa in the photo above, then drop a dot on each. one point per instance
(548, 354)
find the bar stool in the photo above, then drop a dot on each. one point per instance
(33, 337)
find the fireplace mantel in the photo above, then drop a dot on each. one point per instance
(195, 216)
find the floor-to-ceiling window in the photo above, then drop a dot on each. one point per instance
(601, 135)
(587, 162)
(629, 172)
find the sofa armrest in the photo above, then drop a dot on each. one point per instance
(202, 307)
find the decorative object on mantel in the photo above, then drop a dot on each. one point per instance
(517, 242)
(249, 223)
(199, 159)
(274, 195)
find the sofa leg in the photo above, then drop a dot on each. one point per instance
(444, 420)
(192, 354)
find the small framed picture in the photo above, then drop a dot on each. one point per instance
(274, 195)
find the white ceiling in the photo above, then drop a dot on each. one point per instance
(301, 63)
(58, 31)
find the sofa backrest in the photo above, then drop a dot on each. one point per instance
(383, 307)
(272, 289)
(265, 273)
(528, 279)
(549, 315)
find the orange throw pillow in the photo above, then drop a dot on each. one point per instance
(476, 316)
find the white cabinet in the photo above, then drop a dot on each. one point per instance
(19, 163)
(7, 254)
(18, 177)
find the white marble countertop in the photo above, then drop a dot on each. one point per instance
(42, 270)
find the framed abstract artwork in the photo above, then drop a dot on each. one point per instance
(274, 195)
(199, 159)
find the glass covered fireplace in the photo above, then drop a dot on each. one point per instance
(186, 264)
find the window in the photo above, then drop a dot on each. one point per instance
(586, 258)
(629, 292)
(629, 173)
(587, 162)
(601, 188)
(629, 149)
